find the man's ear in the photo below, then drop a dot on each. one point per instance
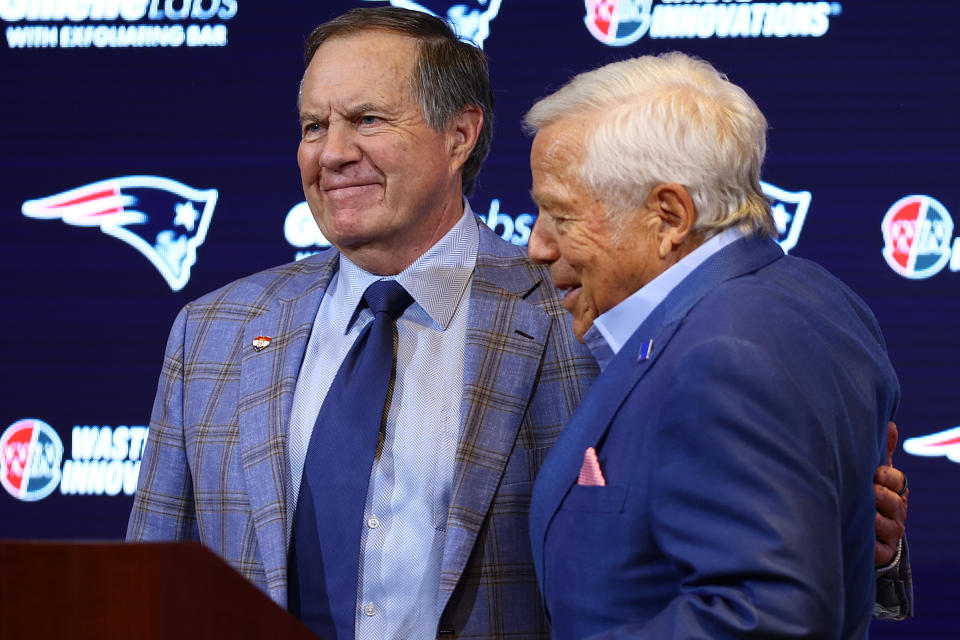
(463, 132)
(677, 215)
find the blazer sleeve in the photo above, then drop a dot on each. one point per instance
(895, 588)
(742, 470)
(163, 507)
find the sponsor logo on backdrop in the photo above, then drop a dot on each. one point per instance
(917, 234)
(471, 20)
(944, 443)
(617, 23)
(103, 460)
(515, 229)
(30, 456)
(67, 24)
(301, 231)
(163, 219)
(789, 211)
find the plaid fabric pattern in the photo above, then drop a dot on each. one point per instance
(215, 465)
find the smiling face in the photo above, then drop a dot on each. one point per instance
(594, 261)
(382, 185)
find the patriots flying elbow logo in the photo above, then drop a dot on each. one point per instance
(944, 443)
(789, 209)
(163, 219)
(470, 20)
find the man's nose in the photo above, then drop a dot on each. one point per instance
(543, 244)
(339, 146)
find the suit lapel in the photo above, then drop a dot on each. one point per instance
(505, 340)
(590, 422)
(267, 381)
(596, 413)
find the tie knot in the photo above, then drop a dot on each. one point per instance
(387, 296)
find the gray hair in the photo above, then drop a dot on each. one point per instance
(449, 74)
(667, 118)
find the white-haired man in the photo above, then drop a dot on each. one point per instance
(716, 480)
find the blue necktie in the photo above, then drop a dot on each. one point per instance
(324, 560)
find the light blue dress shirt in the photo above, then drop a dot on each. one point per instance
(612, 329)
(401, 548)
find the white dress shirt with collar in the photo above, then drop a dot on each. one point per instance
(613, 328)
(409, 494)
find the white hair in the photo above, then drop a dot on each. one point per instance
(667, 118)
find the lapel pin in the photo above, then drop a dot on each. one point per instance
(261, 342)
(645, 350)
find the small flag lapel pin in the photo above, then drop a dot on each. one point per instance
(646, 350)
(261, 342)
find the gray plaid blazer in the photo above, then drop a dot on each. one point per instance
(215, 465)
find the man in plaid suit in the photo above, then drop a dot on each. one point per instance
(396, 121)
(386, 185)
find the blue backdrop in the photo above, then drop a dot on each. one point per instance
(148, 154)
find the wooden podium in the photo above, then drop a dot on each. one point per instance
(132, 591)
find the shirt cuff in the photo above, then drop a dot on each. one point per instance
(893, 563)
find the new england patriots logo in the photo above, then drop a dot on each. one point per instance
(163, 219)
(471, 21)
(789, 209)
(944, 443)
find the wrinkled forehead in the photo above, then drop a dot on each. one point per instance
(560, 145)
(368, 47)
(374, 63)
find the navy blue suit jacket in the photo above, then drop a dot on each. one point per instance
(738, 457)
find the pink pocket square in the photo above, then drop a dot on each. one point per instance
(590, 474)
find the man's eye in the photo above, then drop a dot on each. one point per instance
(559, 223)
(312, 129)
(369, 120)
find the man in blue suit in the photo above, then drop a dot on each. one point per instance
(716, 482)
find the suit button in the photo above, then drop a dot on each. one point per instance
(369, 609)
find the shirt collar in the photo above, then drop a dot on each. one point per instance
(612, 329)
(436, 280)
